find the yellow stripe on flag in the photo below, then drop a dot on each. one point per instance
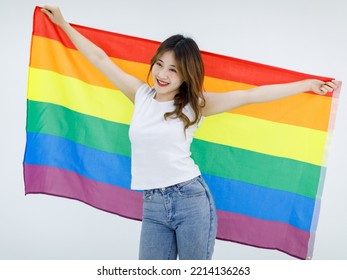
(263, 136)
(271, 138)
(108, 104)
(51, 55)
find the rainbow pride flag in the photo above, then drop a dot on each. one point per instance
(265, 163)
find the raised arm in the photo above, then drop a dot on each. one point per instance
(221, 102)
(126, 83)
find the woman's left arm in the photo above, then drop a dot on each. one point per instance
(222, 102)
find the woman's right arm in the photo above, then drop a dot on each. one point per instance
(128, 84)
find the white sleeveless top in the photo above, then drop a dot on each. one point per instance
(160, 149)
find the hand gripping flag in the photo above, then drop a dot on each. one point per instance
(265, 163)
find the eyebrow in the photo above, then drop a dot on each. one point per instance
(164, 63)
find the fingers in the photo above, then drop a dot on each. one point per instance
(329, 86)
(46, 12)
(334, 84)
(321, 87)
(54, 14)
(48, 9)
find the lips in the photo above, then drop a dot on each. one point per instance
(162, 84)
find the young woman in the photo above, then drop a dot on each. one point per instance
(179, 215)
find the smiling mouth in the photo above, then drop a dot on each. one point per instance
(161, 83)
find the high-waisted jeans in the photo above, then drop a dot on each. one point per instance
(179, 220)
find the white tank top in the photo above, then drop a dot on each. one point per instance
(160, 149)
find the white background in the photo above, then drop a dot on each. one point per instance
(302, 35)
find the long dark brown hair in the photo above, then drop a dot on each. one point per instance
(190, 65)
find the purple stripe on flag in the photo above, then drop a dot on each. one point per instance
(247, 230)
(128, 203)
(64, 183)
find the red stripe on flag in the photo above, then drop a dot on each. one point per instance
(141, 50)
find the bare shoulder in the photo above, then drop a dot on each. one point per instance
(221, 102)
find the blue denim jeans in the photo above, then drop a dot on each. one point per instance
(179, 220)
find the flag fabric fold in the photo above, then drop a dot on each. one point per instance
(264, 163)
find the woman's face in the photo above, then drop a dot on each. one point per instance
(166, 77)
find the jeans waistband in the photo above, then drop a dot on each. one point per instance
(179, 184)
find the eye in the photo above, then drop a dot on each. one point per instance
(173, 70)
(158, 63)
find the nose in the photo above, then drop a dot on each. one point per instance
(162, 74)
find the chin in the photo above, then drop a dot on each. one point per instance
(160, 90)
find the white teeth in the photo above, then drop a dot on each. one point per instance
(162, 83)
